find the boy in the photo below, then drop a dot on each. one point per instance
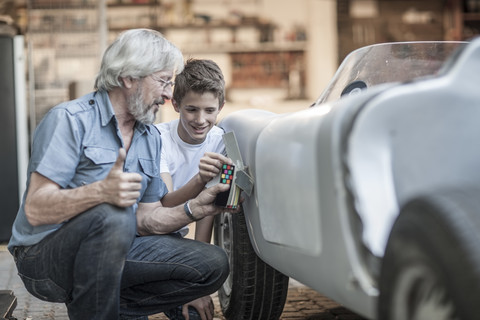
(198, 97)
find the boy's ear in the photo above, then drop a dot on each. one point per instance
(175, 105)
(221, 107)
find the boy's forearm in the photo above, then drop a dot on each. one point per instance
(189, 191)
(203, 229)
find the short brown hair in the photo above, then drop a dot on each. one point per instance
(200, 76)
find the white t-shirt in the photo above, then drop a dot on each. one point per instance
(181, 159)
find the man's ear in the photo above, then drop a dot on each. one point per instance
(175, 105)
(127, 82)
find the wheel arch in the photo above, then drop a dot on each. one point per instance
(439, 232)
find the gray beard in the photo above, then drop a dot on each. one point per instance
(140, 111)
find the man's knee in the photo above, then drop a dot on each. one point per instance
(219, 260)
(117, 224)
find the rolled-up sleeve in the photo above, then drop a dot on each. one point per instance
(156, 188)
(56, 146)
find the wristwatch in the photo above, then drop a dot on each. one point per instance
(188, 211)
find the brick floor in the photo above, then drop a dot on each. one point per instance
(302, 303)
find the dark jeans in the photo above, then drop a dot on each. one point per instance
(97, 266)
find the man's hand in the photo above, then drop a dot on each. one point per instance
(203, 205)
(121, 188)
(204, 306)
(210, 165)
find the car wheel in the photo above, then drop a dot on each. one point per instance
(253, 290)
(431, 266)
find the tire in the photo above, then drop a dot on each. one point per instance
(253, 290)
(431, 266)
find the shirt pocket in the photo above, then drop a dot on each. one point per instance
(100, 156)
(148, 167)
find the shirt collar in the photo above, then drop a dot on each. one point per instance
(143, 127)
(105, 107)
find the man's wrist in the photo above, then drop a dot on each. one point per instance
(188, 211)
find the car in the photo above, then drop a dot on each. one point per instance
(370, 196)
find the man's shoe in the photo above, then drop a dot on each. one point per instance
(176, 313)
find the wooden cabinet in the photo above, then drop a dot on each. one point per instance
(389, 21)
(67, 38)
(63, 38)
(270, 69)
(465, 19)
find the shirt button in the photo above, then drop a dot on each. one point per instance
(91, 102)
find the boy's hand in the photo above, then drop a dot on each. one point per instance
(204, 306)
(210, 165)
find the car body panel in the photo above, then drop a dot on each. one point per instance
(330, 180)
(297, 239)
(416, 138)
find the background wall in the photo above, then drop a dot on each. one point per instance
(271, 51)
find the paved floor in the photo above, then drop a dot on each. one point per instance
(302, 302)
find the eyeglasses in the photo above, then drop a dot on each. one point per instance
(165, 83)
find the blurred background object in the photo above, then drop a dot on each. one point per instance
(272, 52)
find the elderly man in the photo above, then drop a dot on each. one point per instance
(92, 231)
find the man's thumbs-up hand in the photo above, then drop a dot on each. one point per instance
(120, 162)
(121, 188)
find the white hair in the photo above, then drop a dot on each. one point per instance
(137, 53)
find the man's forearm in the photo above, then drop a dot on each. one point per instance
(155, 219)
(50, 205)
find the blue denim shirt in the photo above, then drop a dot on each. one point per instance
(77, 143)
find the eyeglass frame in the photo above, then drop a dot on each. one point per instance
(165, 82)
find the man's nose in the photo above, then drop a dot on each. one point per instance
(167, 93)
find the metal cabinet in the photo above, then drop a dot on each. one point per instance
(13, 130)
